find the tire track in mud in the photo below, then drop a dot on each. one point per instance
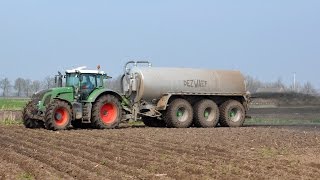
(247, 164)
(69, 146)
(129, 156)
(188, 160)
(143, 153)
(187, 169)
(30, 165)
(15, 171)
(64, 163)
(89, 162)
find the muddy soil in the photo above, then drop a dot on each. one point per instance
(255, 152)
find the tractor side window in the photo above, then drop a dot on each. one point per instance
(72, 80)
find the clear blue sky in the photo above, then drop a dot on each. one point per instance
(264, 39)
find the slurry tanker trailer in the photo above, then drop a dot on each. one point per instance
(160, 97)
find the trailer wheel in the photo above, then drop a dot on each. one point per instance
(179, 114)
(28, 114)
(106, 112)
(232, 114)
(206, 114)
(58, 115)
(153, 122)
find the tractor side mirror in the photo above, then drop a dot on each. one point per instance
(108, 77)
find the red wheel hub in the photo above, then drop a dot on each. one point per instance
(61, 116)
(108, 113)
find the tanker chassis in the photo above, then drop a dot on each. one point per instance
(160, 97)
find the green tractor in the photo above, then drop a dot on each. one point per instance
(83, 101)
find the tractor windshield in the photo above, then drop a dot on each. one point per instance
(72, 80)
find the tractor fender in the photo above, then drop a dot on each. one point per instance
(100, 92)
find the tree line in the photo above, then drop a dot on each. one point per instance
(21, 87)
(254, 84)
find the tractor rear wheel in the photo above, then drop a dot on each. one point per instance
(58, 115)
(28, 116)
(153, 122)
(179, 114)
(206, 114)
(232, 114)
(106, 112)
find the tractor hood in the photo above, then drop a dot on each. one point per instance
(39, 95)
(43, 98)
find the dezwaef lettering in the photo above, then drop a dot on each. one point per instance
(195, 83)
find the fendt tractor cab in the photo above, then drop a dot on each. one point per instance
(82, 100)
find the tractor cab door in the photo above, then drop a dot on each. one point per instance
(88, 84)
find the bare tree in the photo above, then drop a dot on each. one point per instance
(5, 86)
(253, 84)
(27, 89)
(19, 86)
(35, 86)
(48, 82)
(279, 84)
(308, 88)
(115, 84)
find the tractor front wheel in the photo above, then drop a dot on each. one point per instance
(106, 112)
(58, 115)
(28, 116)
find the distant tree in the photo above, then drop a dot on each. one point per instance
(114, 84)
(35, 86)
(279, 84)
(253, 84)
(19, 86)
(308, 88)
(48, 82)
(27, 89)
(5, 85)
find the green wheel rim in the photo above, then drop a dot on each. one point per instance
(182, 114)
(206, 113)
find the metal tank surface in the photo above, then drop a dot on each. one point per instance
(151, 83)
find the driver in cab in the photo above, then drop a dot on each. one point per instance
(87, 84)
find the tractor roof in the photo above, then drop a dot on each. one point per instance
(83, 70)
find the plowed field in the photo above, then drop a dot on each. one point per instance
(160, 153)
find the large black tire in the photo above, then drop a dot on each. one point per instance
(106, 112)
(179, 114)
(58, 115)
(28, 115)
(153, 122)
(232, 114)
(206, 114)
